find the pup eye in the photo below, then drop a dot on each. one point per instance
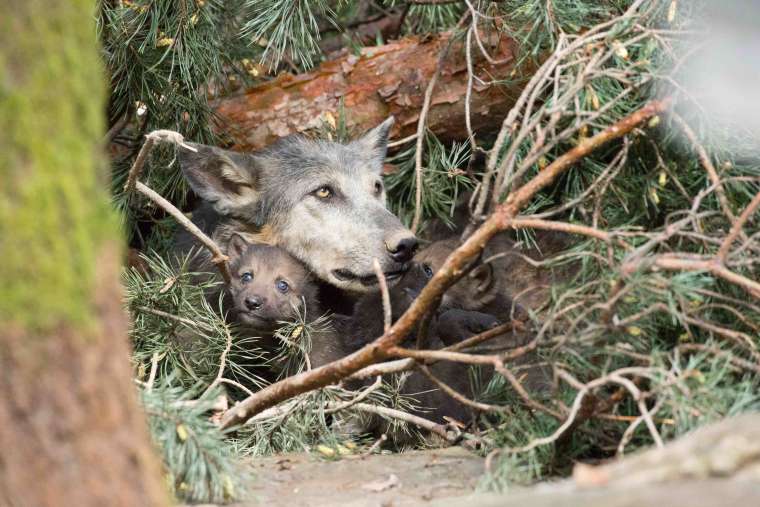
(246, 277)
(282, 286)
(378, 188)
(324, 192)
(428, 270)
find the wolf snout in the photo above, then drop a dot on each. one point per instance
(253, 303)
(402, 249)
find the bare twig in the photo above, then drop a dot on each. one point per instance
(677, 263)
(401, 365)
(422, 125)
(222, 364)
(218, 258)
(150, 139)
(153, 371)
(384, 293)
(484, 407)
(189, 323)
(392, 413)
(360, 397)
(736, 228)
(704, 159)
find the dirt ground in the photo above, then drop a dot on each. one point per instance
(717, 465)
(448, 478)
(381, 480)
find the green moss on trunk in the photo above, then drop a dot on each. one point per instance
(54, 210)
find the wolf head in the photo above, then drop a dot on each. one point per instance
(268, 285)
(321, 201)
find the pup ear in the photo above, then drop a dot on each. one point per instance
(237, 246)
(374, 144)
(226, 179)
(483, 276)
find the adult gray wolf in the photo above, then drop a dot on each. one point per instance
(323, 202)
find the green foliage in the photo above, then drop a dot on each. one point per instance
(287, 27)
(302, 425)
(175, 325)
(691, 334)
(200, 463)
(443, 181)
(164, 60)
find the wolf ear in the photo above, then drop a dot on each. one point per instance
(226, 179)
(237, 246)
(483, 276)
(374, 143)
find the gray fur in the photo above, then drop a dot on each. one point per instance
(270, 196)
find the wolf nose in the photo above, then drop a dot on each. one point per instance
(253, 303)
(403, 251)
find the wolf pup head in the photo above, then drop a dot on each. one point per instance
(268, 285)
(323, 202)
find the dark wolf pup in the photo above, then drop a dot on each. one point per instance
(323, 202)
(268, 286)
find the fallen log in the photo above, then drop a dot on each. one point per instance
(380, 81)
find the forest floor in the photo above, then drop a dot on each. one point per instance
(716, 465)
(448, 478)
(402, 479)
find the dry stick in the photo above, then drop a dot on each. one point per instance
(707, 164)
(671, 263)
(584, 389)
(218, 258)
(222, 365)
(153, 371)
(422, 124)
(421, 422)
(736, 228)
(142, 156)
(177, 318)
(484, 407)
(736, 361)
(401, 141)
(377, 350)
(401, 365)
(520, 390)
(468, 90)
(385, 295)
(116, 128)
(443, 355)
(582, 230)
(374, 446)
(238, 385)
(360, 397)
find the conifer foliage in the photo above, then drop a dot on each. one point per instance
(656, 331)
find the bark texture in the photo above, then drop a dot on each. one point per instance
(70, 426)
(380, 81)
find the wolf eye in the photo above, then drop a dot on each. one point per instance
(282, 286)
(378, 188)
(246, 277)
(428, 270)
(324, 192)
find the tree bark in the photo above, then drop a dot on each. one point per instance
(382, 80)
(71, 431)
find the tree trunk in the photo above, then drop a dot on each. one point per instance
(71, 431)
(381, 81)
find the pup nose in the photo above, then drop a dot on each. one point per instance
(403, 251)
(253, 302)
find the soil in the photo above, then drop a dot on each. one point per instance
(407, 479)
